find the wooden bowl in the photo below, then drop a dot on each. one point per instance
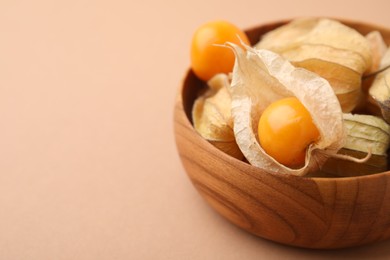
(299, 211)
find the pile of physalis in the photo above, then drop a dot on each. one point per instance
(310, 98)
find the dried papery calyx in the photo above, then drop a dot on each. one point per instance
(378, 49)
(329, 37)
(366, 134)
(212, 117)
(327, 47)
(345, 82)
(261, 77)
(379, 92)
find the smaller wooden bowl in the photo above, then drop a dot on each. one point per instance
(299, 211)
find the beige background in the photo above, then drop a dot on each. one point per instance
(88, 164)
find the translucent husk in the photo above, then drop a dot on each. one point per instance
(365, 134)
(345, 82)
(322, 46)
(343, 57)
(261, 77)
(379, 92)
(317, 31)
(212, 117)
(378, 50)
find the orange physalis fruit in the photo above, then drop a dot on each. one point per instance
(286, 129)
(209, 59)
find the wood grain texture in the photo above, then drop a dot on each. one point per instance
(305, 212)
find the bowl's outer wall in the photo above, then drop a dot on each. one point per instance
(298, 211)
